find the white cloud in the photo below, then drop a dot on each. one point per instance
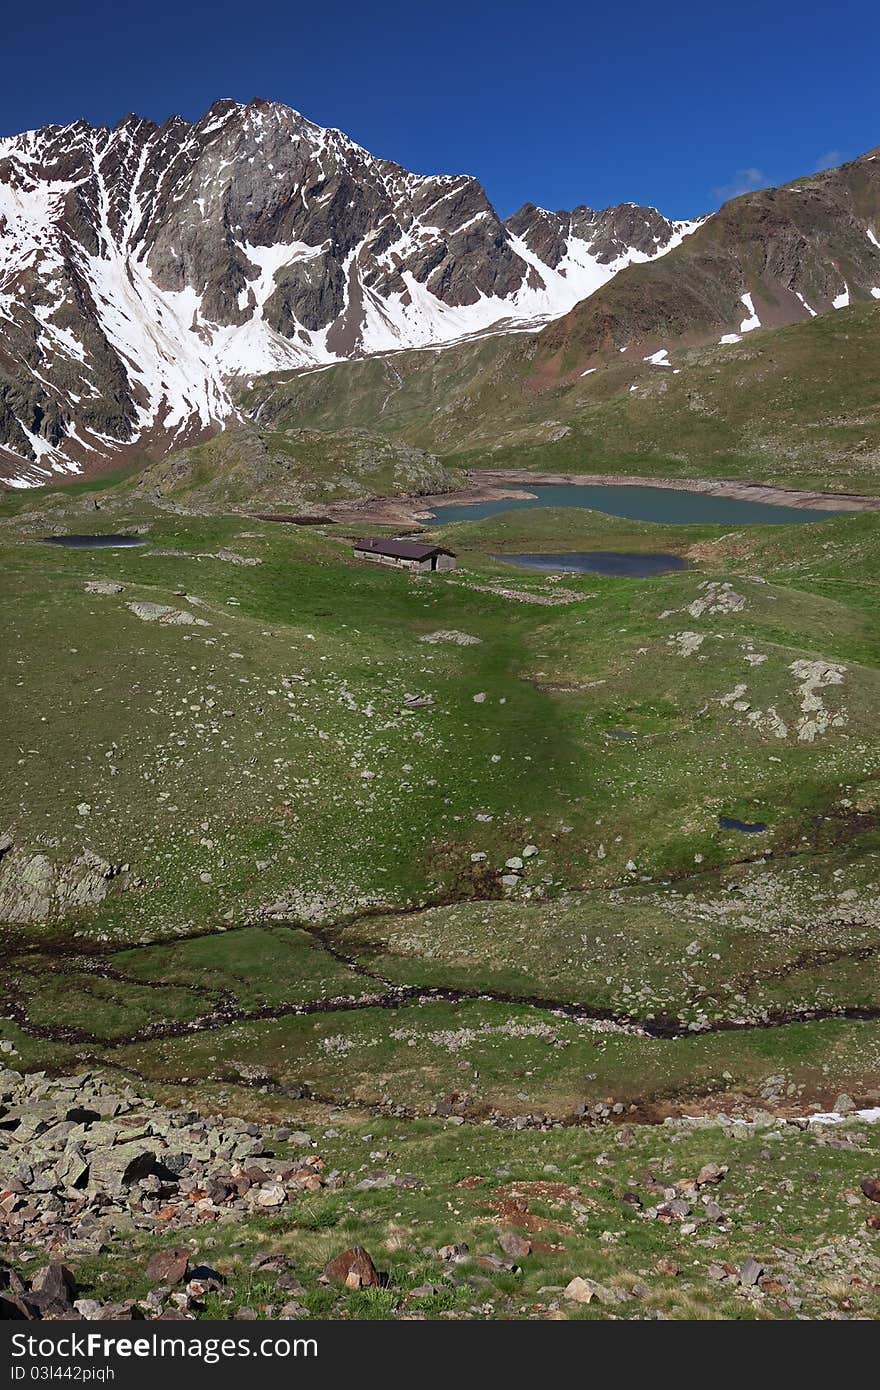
(828, 160)
(745, 181)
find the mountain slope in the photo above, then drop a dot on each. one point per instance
(798, 405)
(770, 258)
(662, 369)
(288, 469)
(145, 267)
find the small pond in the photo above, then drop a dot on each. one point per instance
(94, 542)
(636, 564)
(748, 827)
(672, 506)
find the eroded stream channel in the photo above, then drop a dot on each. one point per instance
(388, 994)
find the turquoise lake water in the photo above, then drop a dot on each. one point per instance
(642, 504)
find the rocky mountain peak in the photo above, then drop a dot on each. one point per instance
(144, 268)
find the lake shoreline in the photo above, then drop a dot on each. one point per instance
(712, 487)
(412, 510)
(491, 485)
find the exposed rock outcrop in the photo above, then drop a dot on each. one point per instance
(35, 888)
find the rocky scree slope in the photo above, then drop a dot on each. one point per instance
(144, 267)
(124, 1197)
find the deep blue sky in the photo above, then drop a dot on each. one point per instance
(678, 105)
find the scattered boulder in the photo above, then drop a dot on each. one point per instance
(292, 1310)
(427, 1290)
(168, 1267)
(56, 1282)
(232, 558)
(117, 1168)
(716, 597)
(514, 1245)
(581, 1290)
(204, 1279)
(457, 639)
(167, 616)
(103, 586)
(84, 1160)
(453, 1254)
(750, 1272)
(89, 1308)
(49, 1297)
(272, 1195)
(128, 1311)
(495, 1263)
(354, 1268)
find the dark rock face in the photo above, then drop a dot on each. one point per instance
(609, 235)
(310, 295)
(142, 268)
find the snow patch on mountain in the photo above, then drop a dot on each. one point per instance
(145, 269)
(752, 322)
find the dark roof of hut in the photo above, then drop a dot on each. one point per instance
(400, 550)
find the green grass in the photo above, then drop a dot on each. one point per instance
(327, 653)
(269, 759)
(256, 470)
(787, 1200)
(259, 967)
(796, 406)
(764, 939)
(102, 1009)
(518, 1060)
(295, 839)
